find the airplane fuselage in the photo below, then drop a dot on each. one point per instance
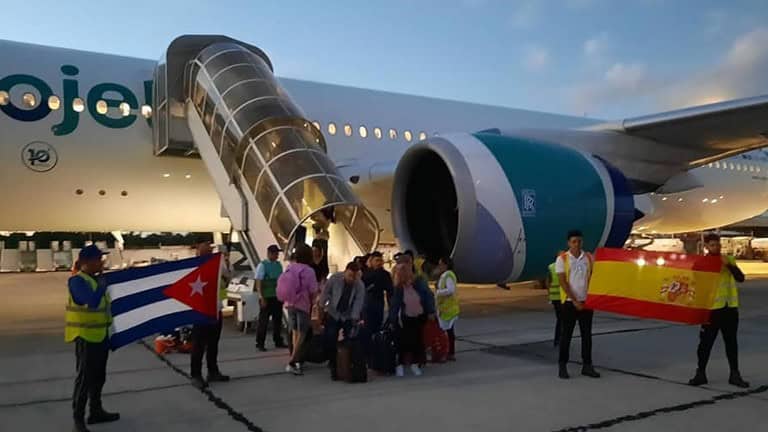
(68, 166)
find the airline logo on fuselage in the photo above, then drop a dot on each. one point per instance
(70, 92)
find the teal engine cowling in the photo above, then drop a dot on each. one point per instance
(501, 206)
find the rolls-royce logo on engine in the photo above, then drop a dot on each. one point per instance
(529, 203)
(39, 156)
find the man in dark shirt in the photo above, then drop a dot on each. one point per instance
(378, 287)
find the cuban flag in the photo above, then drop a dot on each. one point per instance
(159, 298)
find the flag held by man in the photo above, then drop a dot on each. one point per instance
(666, 286)
(158, 298)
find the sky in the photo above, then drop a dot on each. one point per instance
(600, 58)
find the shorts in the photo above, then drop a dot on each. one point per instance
(298, 320)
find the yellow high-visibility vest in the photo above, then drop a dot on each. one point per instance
(447, 306)
(554, 284)
(564, 255)
(727, 291)
(88, 324)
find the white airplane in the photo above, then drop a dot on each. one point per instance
(96, 142)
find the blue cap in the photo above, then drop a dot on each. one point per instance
(91, 252)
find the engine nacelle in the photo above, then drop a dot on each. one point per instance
(501, 206)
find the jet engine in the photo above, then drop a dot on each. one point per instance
(501, 206)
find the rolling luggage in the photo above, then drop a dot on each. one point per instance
(315, 350)
(436, 342)
(383, 352)
(351, 365)
(343, 362)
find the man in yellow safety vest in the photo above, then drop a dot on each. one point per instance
(724, 318)
(574, 268)
(553, 286)
(87, 322)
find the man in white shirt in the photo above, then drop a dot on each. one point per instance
(574, 268)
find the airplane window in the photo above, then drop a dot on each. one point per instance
(407, 135)
(78, 105)
(332, 128)
(392, 134)
(751, 168)
(125, 109)
(347, 130)
(54, 103)
(758, 169)
(316, 125)
(4, 97)
(377, 133)
(101, 107)
(422, 136)
(29, 100)
(731, 166)
(709, 165)
(363, 132)
(146, 111)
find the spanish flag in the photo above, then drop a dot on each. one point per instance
(657, 285)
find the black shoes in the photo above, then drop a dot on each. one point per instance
(217, 377)
(563, 373)
(699, 379)
(80, 426)
(734, 380)
(102, 416)
(199, 383)
(589, 371)
(260, 347)
(737, 381)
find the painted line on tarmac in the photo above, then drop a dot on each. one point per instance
(72, 377)
(69, 398)
(217, 401)
(666, 410)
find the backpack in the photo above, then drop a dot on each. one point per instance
(288, 285)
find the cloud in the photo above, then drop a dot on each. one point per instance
(537, 58)
(740, 72)
(618, 82)
(595, 46)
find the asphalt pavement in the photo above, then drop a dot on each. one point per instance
(505, 378)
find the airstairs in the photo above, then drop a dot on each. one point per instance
(217, 99)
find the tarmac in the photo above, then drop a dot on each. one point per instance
(505, 378)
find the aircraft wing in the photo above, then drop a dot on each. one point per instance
(711, 132)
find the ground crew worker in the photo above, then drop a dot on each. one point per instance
(205, 338)
(267, 273)
(724, 318)
(447, 299)
(574, 268)
(87, 322)
(553, 285)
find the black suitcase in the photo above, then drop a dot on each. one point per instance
(358, 368)
(315, 348)
(383, 352)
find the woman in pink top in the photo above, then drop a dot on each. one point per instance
(296, 288)
(412, 303)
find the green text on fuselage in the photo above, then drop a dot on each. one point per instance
(70, 92)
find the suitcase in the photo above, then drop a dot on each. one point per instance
(315, 349)
(350, 361)
(436, 342)
(383, 352)
(343, 362)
